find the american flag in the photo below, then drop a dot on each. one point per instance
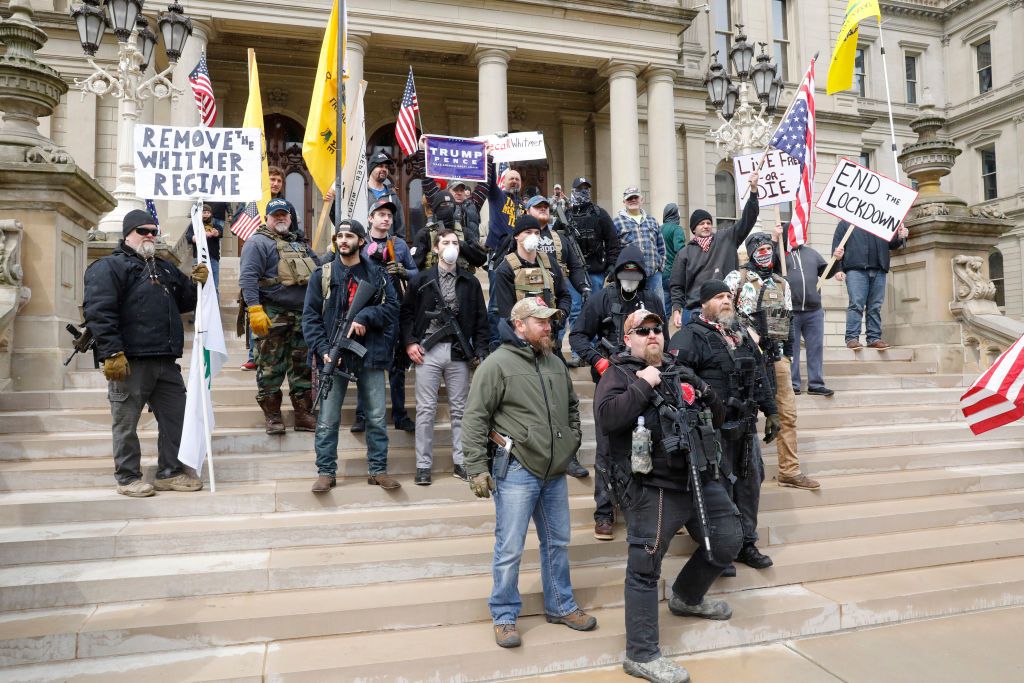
(996, 398)
(151, 208)
(405, 127)
(202, 90)
(247, 221)
(795, 137)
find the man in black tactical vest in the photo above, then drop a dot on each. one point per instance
(593, 230)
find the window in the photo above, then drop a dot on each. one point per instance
(983, 54)
(988, 173)
(780, 41)
(910, 70)
(725, 199)
(786, 212)
(721, 20)
(864, 159)
(859, 82)
(995, 274)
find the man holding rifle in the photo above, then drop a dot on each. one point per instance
(657, 420)
(444, 332)
(349, 322)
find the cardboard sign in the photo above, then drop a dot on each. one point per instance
(455, 158)
(778, 182)
(866, 199)
(517, 147)
(175, 162)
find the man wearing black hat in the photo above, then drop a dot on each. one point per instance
(716, 345)
(214, 228)
(526, 272)
(378, 187)
(594, 231)
(446, 215)
(275, 267)
(133, 306)
(709, 255)
(327, 298)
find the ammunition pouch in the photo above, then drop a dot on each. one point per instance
(623, 487)
(533, 280)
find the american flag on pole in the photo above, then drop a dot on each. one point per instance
(247, 221)
(795, 137)
(202, 90)
(405, 127)
(151, 208)
(996, 398)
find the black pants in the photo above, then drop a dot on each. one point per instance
(745, 491)
(157, 382)
(649, 531)
(603, 510)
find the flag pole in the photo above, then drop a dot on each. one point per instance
(338, 124)
(888, 103)
(419, 114)
(200, 331)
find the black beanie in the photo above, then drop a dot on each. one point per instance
(526, 222)
(135, 219)
(698, 216)
(710, 289)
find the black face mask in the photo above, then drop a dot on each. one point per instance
(445, 214)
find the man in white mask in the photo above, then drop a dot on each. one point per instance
(444, 330)
(527, 273)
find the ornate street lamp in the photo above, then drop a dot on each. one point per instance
(716, 81)
(122, 15)
(773, 95)
(91, 22)
(729, 106)
(146, 42)
(763, 74)
(741, 54)
(176, 29)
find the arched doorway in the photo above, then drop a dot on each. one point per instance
(284, 149)
(408, 186)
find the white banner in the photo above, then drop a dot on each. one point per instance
(354, 200)
(866, 199)
(778, 182)
(516, 146)
(175, 162)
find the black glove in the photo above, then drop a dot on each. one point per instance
(396, 269)
(772, 425)
(715, 405)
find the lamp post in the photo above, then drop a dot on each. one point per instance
(136, 43)
(746, 126)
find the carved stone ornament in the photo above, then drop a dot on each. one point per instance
(10, 253)
(927, 210)
(969, 282)
(517, 113)
(277, 97)
(97, 236)
(987, 212)
(48, 155)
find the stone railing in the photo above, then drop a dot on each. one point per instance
(986, 332)
(13, 293)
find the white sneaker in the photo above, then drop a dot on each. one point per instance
(136, 489)
(661, 670)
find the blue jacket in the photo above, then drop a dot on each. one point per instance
(863, 250)
(503, 208)
(259, 261)
(380, 319)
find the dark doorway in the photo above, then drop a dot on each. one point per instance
(408, 186)
(284, 149)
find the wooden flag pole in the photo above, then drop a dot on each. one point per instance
(832, 260)
(339, 127)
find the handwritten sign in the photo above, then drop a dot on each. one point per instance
(779, 179)
(517, 147)
(174, 162)
(866, 199)
(455, 158)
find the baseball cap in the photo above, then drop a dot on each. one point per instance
(537, 199)
(383, 203)
(351, 225)
(378, 159)
(457, 183)
(275, 205)
(631, 192)
(631, 271)
(639, 317)
(582, 180)
(533, 307)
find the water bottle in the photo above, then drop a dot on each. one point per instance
(640, 459)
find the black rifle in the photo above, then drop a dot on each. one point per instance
(742, 381)
(82, 341)
(449, 324)
(571, 235)
(340, 342)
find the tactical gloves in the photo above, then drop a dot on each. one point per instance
(772, 425)
(396, 269)
(482, 485)
(259, 321)
(200, 274)
(115, 368)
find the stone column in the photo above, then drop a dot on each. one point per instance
(492, 83)
(603, 194)
(355, 52)
(696, 172)
(662, 153)
(1017, 20)
(625, 127)
(573, 151)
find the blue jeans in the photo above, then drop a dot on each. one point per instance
(215, 271)
(519, 497)
(492, 312)
(654, 284)
(867, 292)
(667, 297)
(370, 386)
(574, 312)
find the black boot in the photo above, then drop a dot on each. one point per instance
(358, 426)
(752, 557)
(575, 469)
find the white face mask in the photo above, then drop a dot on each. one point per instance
(531, 243)
(629, 285)
(450, 254)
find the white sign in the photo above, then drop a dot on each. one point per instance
(778, 182)
(866, 199)
(175, 162)
(517, 147)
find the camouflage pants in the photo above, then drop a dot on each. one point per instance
(282, 352)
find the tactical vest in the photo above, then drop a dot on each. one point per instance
(586, 225)
(295, 265)
(533, 280)
(771, 319)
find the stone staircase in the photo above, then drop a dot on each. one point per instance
(263, 581)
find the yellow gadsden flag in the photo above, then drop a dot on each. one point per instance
(321, 141)
(840, 71)
(254, 119)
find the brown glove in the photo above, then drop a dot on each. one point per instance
(259, 321)
(115, 368)
(200, 274)
(482, 485)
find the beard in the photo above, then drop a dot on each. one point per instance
(652, 355)
(541, 343)
(282, 229)
(147, 249)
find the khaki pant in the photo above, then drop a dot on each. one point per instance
(789, 464)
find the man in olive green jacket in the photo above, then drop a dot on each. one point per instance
(523, 409)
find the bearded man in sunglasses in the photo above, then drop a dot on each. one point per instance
(133, 307)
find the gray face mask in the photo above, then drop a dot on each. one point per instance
(581, 196)
(629, 285)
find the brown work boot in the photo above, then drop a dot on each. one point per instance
(271, 406)
(878, 344)
(854, 344)
(181, 482)
(577, 621)
(324, 483)
(603, 530)
(800, 481)
(305, 420)
(506, 635)
(383, 480)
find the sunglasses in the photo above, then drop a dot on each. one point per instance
(148, 232)
(644, 331)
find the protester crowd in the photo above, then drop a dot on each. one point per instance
(676, 415)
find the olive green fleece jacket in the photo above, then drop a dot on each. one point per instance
(528, 397)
